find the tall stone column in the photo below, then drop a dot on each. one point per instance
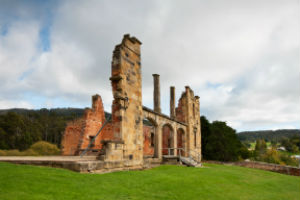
(127, 109)
(175, 141)
(172, 102)
(159, 137)
(156, 93)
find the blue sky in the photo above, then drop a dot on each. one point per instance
(240, 57)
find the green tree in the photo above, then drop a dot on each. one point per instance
(260, 146)
(220, 142)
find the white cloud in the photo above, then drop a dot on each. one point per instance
(241, 57)
(15, 104)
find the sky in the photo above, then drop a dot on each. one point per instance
(242, 57)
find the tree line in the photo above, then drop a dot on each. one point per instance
(268, 135)
(20, 128)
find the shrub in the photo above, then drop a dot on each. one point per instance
(29, 152)
(2, 153)
(244, 152)
(271, 156)
(288, 160)
(45, 148)
(13, 152)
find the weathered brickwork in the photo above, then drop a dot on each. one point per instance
(80, 132)
(127, 104)
(168, 139)
(149, 140)
(126, 139)
(72, 136)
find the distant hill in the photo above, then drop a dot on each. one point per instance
(70, 113)
(20, 128)
(268, 135)
(59, 111)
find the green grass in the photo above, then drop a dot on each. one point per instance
(165, 182)
(254, 143)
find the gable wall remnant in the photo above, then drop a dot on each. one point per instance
(79, 133)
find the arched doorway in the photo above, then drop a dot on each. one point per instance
(150, 138)
(180, 141)
(167, 140)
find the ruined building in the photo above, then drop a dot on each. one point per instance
(136, 135)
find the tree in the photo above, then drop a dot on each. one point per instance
(220, 142)
(3, 142)
(260, 146)
(205, 134)
(291, 144)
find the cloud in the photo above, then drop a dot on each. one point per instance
(240, 57)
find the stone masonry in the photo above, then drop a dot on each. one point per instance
(135, 133)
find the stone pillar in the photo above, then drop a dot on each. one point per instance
(188, 112)
(175, 141)
(127, 112)
(156, 93)
(172, 102)
(159, 138)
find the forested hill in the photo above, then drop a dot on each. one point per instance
(268, 135)
(66, 112)
(20, 128)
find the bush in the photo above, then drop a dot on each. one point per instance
(29, 152)
(271, 156)
(13, 152)
(288, 160)
(244, 152)
(45, 148)
(2, 153)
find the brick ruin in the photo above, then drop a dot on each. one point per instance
(135, 134)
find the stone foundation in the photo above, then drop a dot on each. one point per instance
(85, 164)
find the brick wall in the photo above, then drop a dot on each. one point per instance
(148, 148)
(167, 139)
(79, 133)
(72, 137)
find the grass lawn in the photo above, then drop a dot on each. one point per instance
(165, 182)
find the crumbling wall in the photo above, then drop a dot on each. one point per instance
(80, 132)
(188, 111)
(72, 137)
(127, 104)
(180, 110)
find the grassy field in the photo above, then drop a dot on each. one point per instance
(252, 147)
(164, 182)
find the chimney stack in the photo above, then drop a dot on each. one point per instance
(156, 93)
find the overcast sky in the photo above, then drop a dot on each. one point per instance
(240, 56)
